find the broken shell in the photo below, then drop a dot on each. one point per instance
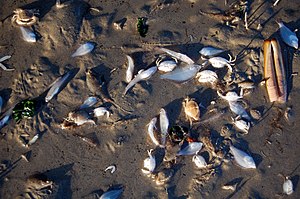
(199, 161)
(164, 176)
(112, 168)
(287, 187)
(101, 111)
(242, 125)
(149, 163)
(28, 35)
(89, 102)
(255, 114)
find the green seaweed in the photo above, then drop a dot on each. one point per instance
(142, 26)
(24, 109)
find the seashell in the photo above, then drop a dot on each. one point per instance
(220, 62)
(112, 168)
(130, 69)
(238, 109)
(112, 194)
(242, 125)
(101, 111)
(207, 76)
(3, 66)
(89, 102)
(164, 125)
(231, 96)
(274, 71)
(151, 128)
(142, 75)
(191, 149)
(210, 51)
(84, 49)
(182, 74)
(1, 104)
(179, 56)
(287, 187)
(199, 161)
(149, 163)
(242, 158)
(164, 176)
(56, 86)
(167, 66)
(255, 114)
(4, 120)
(28, 34)
(289, 37)
(33, 140)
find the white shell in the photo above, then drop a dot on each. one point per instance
(151, 128)
(101, 111)
(199, 161)
(179, 56)
(164, 125)
(4, 120)
(230, 96)
(112, 168)
(28, 34)
(1, 103)
(191, 149)
(242, 125)
(33, 140)
(55, 88)
(238, 109)
(89, 102)
(220, 62)
(142, 75)
(288, 36)
(242, 158)
(149, 163)
(83, 49)
(2, 65)
(210, 51)
(182, 74)
(113, 194)
(207, 76)
(130, 69)
(288, 187)
(167, 66)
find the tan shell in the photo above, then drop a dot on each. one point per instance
(191, 109)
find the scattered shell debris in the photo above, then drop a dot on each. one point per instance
(204, 134)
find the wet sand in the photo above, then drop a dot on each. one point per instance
(77, 167)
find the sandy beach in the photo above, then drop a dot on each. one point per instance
(71, 162)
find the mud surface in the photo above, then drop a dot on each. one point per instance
(76, 167)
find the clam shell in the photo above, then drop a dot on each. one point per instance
(287, 187)
(191, 149)
(28, 34)
(210, 51)
(182, 74)
(89, 102)
(199, 161)
(242, 159)
(112, 194)
(289, 37)
(84, 49)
